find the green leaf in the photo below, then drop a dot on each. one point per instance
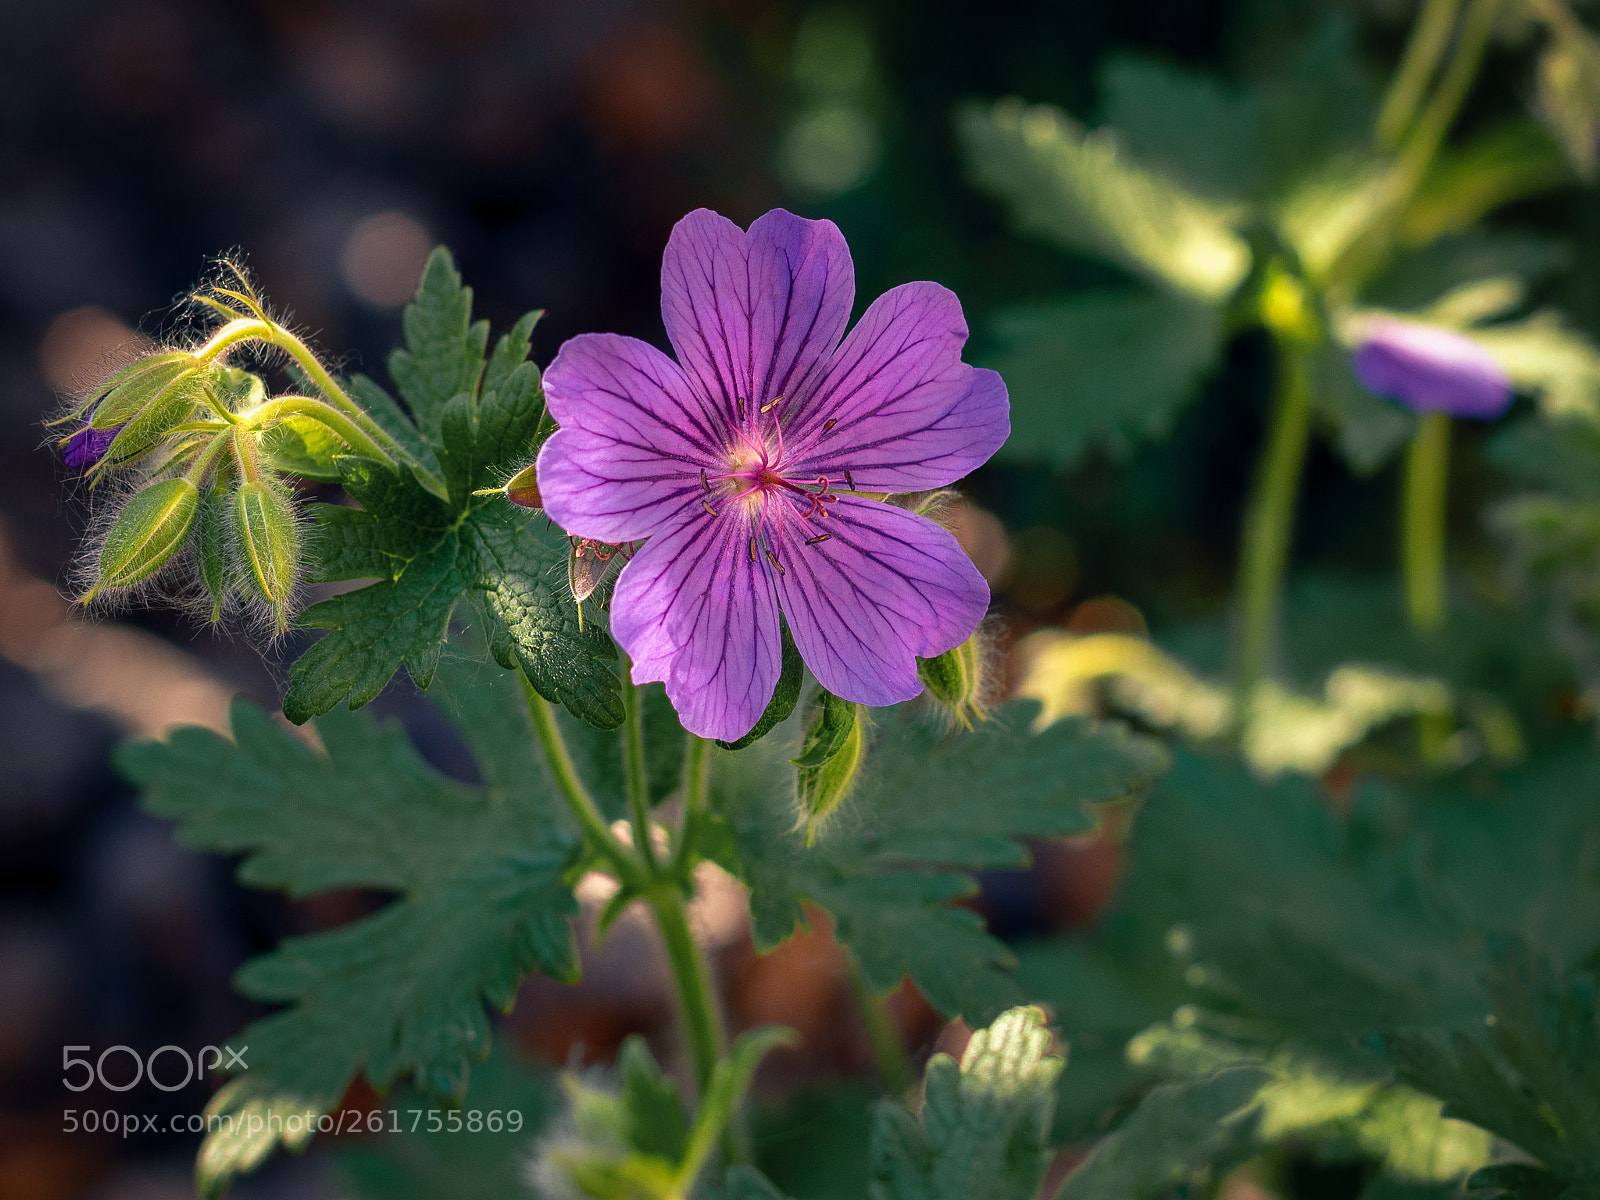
(656, 1120)
(983, 1130)
(444, 350)
(1191, 125)
(1504, 163)
(429, 553)
(1529, 1073)
(303, 446)
(1104, 369)
(1545, 355)
(926, 809)
(386, 411)
(1366, 430)
(1079, 191)
(477, 872)
(1176, 1129)
(743, 1182)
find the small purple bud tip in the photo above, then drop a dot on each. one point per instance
(1431, 369)
(88, 446)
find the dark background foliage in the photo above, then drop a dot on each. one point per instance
(551, 145)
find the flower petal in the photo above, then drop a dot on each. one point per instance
(694, 612)
(1431, 369)
(907, 414)
(632, 442)
(754, 316)
(886, 588)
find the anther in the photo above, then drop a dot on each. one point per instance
(821, 537)
(704, 482)
(829, 424)
(849, 481)
(709, 509)
(776, 565)
(772, 404)
(740, 403)
(752, 549)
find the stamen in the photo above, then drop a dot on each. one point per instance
(709, 509)
(704, 482)
(776, 565)
(740, 403)
(772, 404)
(821, 537)
(849, 481)
(829, 424)
(752, 549)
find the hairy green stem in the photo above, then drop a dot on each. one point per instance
(888, 1051)
(637, 779)
(1269, 522)
(246, 329)
(630, 870)
(702, 1015)
(696, 783)
(1422, 523)
(317, 410)
(1426, 46)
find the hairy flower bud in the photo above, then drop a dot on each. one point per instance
(956, 679)
(523, 488)
(146, 534)
(267, 541)
(216, 564)
(830, 758)
(87, 447)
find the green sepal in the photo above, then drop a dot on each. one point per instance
(214, 545)
(304, 446)
(955, 680)
(829, 759)
(147, 533)
(131, 390)
(151, 424)
(784, 697)
(267, 537)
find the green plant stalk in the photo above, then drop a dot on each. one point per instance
(1422, 521)
(629, 869)
(249, 329)
(888, 1051)
(702, 1016)
(696, 783)
(1269, 522)
(637, 778)
(1416, 154)
(1426, 46)
(317, 410)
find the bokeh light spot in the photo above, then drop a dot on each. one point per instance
(383, 257)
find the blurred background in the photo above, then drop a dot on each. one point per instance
(552, 146)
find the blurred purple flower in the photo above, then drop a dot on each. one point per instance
(745, 467)
(1431, 369)
(88, 446)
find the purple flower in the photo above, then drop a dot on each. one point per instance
(88, 446)
(750, 469)
(1430, 369)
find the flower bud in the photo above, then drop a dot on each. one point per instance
(956, 680)
(139, 384)
(523, 488)
(830, 758)
(87, 447)
(267, 540)
(216, 566)
(146, 534)
(1431, 369)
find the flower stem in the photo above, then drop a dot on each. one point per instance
(637, 778)
(1434, 122)
(888, 1051)
(630, 871)
(702, 1016)
(1429, 37)
(1422, 524)
(307, 406)
(1269, 522)
(696, 783)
